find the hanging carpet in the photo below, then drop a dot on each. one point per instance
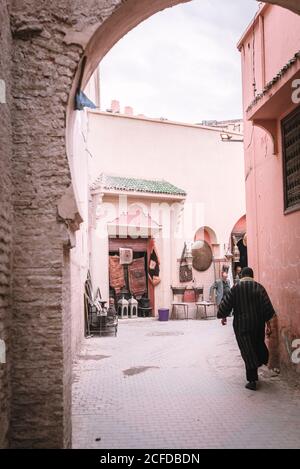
(154, 265)
(137, 277)
(116, 274)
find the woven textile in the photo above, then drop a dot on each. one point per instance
(154, 265)
(116, 274)
(137, 277)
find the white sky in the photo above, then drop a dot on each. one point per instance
(181, 64)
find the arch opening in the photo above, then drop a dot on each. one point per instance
(63, 45)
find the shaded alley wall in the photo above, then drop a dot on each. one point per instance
(5, 218)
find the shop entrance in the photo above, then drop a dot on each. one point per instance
(129, 273)
(239, 247)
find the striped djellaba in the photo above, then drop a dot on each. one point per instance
(251, 308)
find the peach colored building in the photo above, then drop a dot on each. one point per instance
(192, 179)
(271, 72)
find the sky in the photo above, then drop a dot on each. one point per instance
(181, 64)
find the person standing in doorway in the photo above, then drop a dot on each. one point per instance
(237, 274)
(252, 312)
(221, 286)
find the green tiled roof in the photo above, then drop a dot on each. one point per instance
(106, 182)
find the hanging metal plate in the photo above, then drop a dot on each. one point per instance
(202, 255)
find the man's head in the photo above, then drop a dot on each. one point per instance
(247, 272)
(238, 270)
(224, 274)
(111, 302)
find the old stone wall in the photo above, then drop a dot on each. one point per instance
(67, 331)
(43, 71)
(5, 216)
(292, 5)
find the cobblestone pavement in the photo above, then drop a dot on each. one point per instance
(177, 384)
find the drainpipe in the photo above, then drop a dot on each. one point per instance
(256, 210)
(263, 50)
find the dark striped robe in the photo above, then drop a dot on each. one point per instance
(252, 308)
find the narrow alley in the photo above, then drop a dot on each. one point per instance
(149, 184)
(177, 384)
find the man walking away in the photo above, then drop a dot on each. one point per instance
(252, 311)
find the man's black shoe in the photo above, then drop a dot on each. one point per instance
(251, 385)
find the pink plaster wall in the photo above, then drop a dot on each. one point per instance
(273, 237)
(191, 157)
(267, 45)
(79, 254)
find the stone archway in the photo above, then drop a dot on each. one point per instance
(292, 5)
(48, 43)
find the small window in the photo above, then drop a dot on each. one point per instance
(291, 160)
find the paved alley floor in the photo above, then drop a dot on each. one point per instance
(177, 384)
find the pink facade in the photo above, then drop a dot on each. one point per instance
(194, 158)
(270, 65)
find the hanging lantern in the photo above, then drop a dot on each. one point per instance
(189, 257)
(236, 251)
(236, 254)
(228, 254)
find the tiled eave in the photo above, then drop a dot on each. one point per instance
(277, 82)
(137, 194)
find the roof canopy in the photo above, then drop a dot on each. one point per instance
(108, 183)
